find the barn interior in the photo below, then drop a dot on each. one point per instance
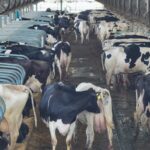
(28, 42)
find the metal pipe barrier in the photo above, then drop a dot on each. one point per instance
(134, 10)
(12, 73)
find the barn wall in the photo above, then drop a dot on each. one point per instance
(138, 10)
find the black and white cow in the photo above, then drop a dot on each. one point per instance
(116, 40)
(31, 52)
(62, 58)
(97, 122)
(129, 59)
(62, 23)
(142, 112)
(41, 69)
(52, 32)
(105, 29)
(59, 107)
(11, 43)
(82, 28)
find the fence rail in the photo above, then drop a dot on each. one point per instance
(8, 5)
(138, 10)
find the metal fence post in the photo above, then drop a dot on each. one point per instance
(5, 19)
(1, 22)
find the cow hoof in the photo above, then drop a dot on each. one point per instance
(110, 147)
(87, 148)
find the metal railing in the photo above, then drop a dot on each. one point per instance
(7, 5)
(136, 10)
(11, 73)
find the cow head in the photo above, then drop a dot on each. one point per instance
(92, 105)
(50, 39)
(34, 84)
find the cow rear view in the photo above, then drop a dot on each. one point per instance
(60, 106)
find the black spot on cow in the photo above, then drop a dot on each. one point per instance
(64, 46)
(140, 44)
(107, 19)
(115, 25)
(128, 37)
(76, 27)
(148, 113)
(145, 58)
(108, 56)
(132, 53)
(61, 101)
(83, 17)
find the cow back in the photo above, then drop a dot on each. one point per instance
(63, 102)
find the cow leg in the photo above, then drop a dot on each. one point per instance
(82, 37)
(48, 81)
(89, 130)
(138, 112)
(126, 82)
(108, 77)
(14, 132)
(144, 120)
(75, 133)
(110, 135)
(68, 62)
(87, 35)
(70, 135)
(136, 95)
(52, 129)
(59, 69)
(52, 71)
(76, 36)
(109, 120)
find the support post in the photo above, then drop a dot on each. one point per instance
(61, 4)
(1, 22)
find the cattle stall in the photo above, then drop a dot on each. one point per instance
(86, 66)
(134, 10)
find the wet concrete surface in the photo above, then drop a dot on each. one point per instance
(86, 67)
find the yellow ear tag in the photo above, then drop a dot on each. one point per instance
(99, 96)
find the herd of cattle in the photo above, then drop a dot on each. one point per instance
(62, 105)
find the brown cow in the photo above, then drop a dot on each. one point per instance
(15, 98)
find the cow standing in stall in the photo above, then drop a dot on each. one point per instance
(62, 58)
(126, 38)
(60, 106)
(41, 69)
(142, 112)
(14, 96)
(52, 32)
(98, 122)
(128, 59)
(82, 27)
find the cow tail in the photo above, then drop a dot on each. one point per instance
(35, 117)
(103, 57)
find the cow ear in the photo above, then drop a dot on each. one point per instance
(106, 93)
